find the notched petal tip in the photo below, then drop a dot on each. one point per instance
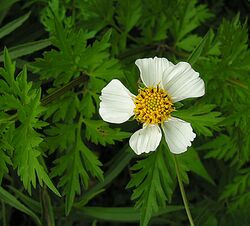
(146, 139)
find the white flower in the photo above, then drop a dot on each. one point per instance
(166, 84)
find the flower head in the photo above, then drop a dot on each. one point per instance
(165, 84)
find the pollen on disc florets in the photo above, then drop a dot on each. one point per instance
(152, 105)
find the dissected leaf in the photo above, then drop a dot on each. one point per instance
(77, 165)
(26, 140)
(99, 132)
(154, 181)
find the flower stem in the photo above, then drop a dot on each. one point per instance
(183, 193)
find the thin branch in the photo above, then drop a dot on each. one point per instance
(183, 193)
(59, 92)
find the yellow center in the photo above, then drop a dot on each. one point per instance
(152, 105)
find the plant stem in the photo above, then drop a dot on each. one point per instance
(183, 193)
(4, 214)
(59, 92)
(47, 209)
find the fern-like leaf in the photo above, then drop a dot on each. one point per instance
(154, 181)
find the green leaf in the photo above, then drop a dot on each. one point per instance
(235, 56)
(6, 148)
(236, 37)
(12, 201)
(97, 14)
(191, 161)
(75, 166)
(155, 26)
(120, 161)
(222, 147)
(5, 6)
(98, 52)
(128, 13)
(237, 191)
(53, 13)
(22, 98)
(8, 72)
(26, 48)
(8, 28)
(26, 157)
(122, 214)
(188, 17)
(194, 56)
(99, 132)
(154, 182)
(70, 165)
(60, 136)
(189, 43)
(91, 99)
(74, 57)
(5, 159)
(91, 161)
(27, 200)
(108, 70)
(65, 108)
(88, 105)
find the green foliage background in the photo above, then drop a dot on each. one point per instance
(60, 164)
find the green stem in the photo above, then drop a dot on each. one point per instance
(238, 83)
(47, 209)
(59, 92)
(183, 193)
(4, 214)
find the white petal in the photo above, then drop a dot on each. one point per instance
(151, 70)
(178, 135)
(181, 82)
(146, 139)
(117, 104)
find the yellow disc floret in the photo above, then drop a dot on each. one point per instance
(152, 105)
